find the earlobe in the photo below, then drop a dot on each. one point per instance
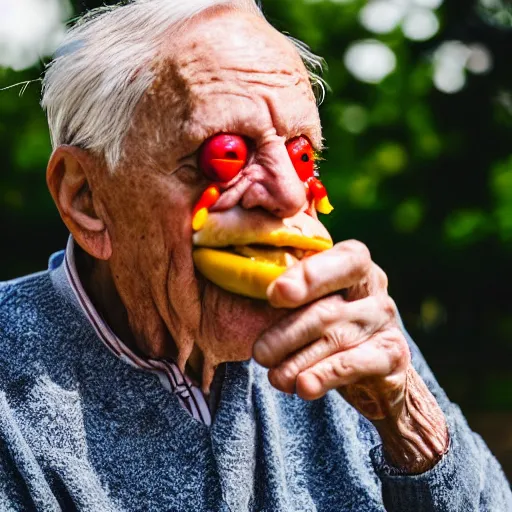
(68, 178)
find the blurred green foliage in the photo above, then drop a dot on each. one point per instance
(423, 177)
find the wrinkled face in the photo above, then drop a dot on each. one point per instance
(227, 73)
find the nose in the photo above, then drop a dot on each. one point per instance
(275, 185)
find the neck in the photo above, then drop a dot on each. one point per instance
(96, 278)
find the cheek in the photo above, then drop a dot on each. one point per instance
(152, 258)
(149, 210)
(150, 231)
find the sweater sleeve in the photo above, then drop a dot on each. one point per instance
(468, 478)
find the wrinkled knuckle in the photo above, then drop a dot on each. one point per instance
(335, 338)
(309, 272)
(402, 359)
(302, 360)
(381, 278)
(284, 377)
(400, 351)
(361, 251)
(329, 309)
(405, 353)
(389, 309)
(289, 373)
(374, 303)
(388, 344)
(340, 369)
(361, 256)
(397, 350)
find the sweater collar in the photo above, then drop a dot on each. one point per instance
(66, 279)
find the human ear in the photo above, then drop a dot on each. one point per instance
(68, 178)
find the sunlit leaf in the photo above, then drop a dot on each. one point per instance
(391, 158)
(408, 215)
(363, 191)
(466, 226)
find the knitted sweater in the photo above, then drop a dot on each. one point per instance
(82, 430)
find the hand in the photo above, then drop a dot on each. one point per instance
(346, 335)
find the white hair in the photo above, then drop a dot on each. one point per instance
(104, 67)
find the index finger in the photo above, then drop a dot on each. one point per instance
(343, 266)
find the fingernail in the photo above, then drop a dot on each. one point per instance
(270, 289)
(310, 386)
(261, 353)
(284, 292)
(281, 382)
(274, 295)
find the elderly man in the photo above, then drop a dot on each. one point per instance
(134, 371)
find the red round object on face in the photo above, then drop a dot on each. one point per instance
(223, 156)
(317, 188)
(302, 157)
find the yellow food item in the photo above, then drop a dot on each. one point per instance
(237, 274)
(200, 219)
(237, 226)
(275, 255)
(324, 206)
(243, 251)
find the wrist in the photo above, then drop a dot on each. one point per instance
(416, 438)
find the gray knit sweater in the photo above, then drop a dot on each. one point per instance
(82, 430)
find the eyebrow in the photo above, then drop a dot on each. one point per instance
(295, 129)
(293, 126)
(308, 129)
(241, 121)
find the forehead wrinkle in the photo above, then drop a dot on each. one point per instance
(280, 79)
(245, 43)
(248, 119)
(236, 79)
(241, 64)
(255, 121)
(257, 65)
(220, 86)
(243, 82)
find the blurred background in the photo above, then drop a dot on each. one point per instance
(418, 125)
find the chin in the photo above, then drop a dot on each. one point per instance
(231, 324)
